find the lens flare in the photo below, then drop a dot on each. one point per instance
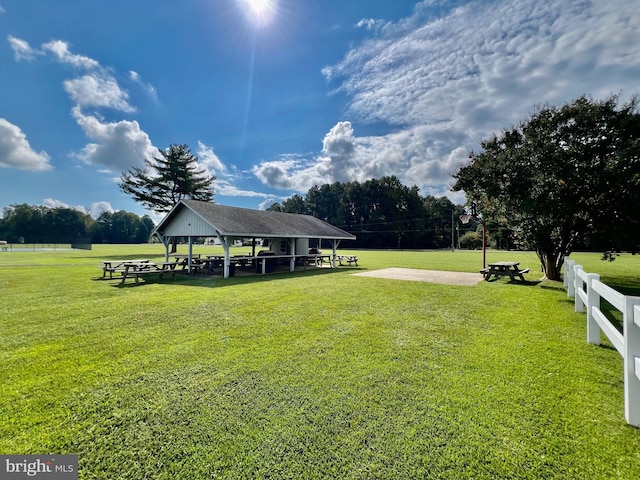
(260, 11)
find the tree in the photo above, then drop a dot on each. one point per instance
(382, 213)
(40, 224)
(168, 179)
(566, 175)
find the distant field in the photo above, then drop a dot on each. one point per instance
(311, 374)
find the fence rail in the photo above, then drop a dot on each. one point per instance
(588, 292)
(24, 247)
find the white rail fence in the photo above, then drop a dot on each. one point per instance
(588, 291)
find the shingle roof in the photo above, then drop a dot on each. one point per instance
(244, 222)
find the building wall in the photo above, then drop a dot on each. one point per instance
(187, 223)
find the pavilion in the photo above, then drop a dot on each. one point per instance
(288, 234)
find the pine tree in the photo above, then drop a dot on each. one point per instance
(168, 179)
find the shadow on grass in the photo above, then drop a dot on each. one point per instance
(553, 287)
(217, 280)
(526, 283)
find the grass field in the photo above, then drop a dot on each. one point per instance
(315, 374)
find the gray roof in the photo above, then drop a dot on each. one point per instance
(244, 222)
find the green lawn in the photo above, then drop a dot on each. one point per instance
(315, 374)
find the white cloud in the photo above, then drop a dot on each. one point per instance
(411, 154)
(339, 153)
(150, 89)
(118, 145)
(16, 152)
(52, 203)
(227, 189)
(21, 49)
(289, 173)
(444, 84)
(97, 208)
(60, 50)
(371, 24)
(94, 210)
(210, 161)
(98, 91)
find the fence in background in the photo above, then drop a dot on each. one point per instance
(34, 247)
(588, 292)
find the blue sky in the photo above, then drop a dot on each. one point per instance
(275, 96)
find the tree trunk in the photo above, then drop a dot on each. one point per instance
(551, 264)
(174, 244)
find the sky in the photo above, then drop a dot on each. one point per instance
(275, 96)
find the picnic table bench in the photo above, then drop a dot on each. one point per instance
(348, 259)
(117, 266)
(502, 269)
(137, 270)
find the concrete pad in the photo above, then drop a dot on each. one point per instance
(432, 276)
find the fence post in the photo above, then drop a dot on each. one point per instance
(569, 276)
(593, 300)
(577, 284)
(631, 358)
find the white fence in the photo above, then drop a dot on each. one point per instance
(588, 290)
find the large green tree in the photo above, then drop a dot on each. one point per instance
(167, 179)
(564, 177)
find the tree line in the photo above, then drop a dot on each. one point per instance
(381, 213)
(40, 224)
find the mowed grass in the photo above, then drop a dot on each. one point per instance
(315, 374)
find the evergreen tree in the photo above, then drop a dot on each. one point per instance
(168, 179)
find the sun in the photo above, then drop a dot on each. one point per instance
(259, 7)
(260, 12)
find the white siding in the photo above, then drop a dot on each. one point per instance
(187, 223)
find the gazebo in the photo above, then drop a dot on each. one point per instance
(288, 234)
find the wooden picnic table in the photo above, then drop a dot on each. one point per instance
(136, 270)
(504, 269)
(117, 266)
(348, 259)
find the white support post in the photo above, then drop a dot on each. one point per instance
(631, 330)
(568, 263)
(292, 249)
(335, 253)
(577, 284)
(166, 241)
(190, 256)
(569, 276)
(593, 300)
(227, 257)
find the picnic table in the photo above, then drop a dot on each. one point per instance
(504, 269)
(117, 266)
(349, 259)
(136, 270)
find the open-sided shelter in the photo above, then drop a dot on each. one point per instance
(288, 233)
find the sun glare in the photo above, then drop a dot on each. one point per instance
(260, 11)
(258, 6)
